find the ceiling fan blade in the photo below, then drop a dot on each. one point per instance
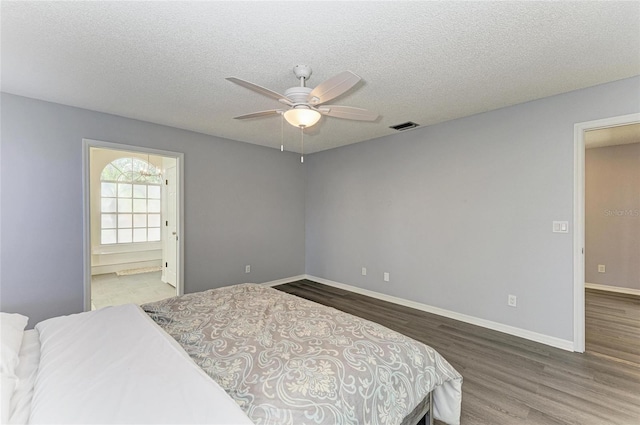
(348, 113)
(258, 89)
(333, 87)
(259, 114)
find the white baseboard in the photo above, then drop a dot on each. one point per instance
(113, 268)
(511, 330)
(616, 289)
(285, 280)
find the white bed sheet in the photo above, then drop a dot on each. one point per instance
(26, 374)
(115, 365)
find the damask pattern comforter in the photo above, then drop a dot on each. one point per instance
(287, 360)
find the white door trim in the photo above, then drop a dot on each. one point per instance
(578, 218)
(87, 144)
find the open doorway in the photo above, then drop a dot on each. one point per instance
(612, 242)
(133, 251)
(592, 133)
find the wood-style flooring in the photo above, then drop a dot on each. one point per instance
(510, 380)
(612, 325)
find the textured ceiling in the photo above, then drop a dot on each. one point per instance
(426, 62)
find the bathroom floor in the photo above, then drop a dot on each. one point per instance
(111, 289)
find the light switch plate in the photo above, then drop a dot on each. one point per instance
(560, 227)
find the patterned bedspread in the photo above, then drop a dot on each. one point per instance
(286, 360)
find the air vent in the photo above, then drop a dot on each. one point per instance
(405, 126)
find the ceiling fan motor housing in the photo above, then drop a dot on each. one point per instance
(298, 94)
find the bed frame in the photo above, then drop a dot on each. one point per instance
(422, 414)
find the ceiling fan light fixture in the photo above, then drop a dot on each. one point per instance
(302, 117)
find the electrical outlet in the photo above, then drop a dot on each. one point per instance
(364, 271)
(601, 268)
(386, 276)
(247, 269)
(512, 301)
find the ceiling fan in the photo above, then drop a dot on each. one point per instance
(307, 105)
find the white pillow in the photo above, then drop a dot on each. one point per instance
(12, 328)
(8, 384)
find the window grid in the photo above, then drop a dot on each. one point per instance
(130, 202)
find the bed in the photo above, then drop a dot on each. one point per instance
(287, 360)
(245, 354)
(113, 365)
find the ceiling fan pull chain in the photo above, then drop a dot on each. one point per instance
(281, 132)
(302, 144)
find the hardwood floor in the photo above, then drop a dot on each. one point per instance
(510, 380)
(613, 325)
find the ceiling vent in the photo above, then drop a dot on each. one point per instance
(405, 126)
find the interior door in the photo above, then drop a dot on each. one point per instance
(171, 262)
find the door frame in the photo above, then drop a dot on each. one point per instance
(167, 239)
(87, 144)
(579, 219)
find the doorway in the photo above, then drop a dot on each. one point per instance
(580, 132)
(133, 213)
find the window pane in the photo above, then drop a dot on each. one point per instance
(139, 191)
(139, 235)
(110, 173)
(154, 205)
(140, 165)
(139, 220)
(154, 220)
(154, 192)
(124, 205)
(124, 164)
(140, 205)
(124, 190)
(124, 236)
(157, 179)
(108, 237)
(108, 221)
(125, 177)
(108, 190)
(125, 220)
(108, 205)
(154, 234)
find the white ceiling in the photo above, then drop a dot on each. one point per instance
(427, 62)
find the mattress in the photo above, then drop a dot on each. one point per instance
(26, 373)
(114, 365)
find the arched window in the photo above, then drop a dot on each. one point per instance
(130, 202)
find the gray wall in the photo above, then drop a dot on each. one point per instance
(461, 213)
(612, 215)
(244, 204)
